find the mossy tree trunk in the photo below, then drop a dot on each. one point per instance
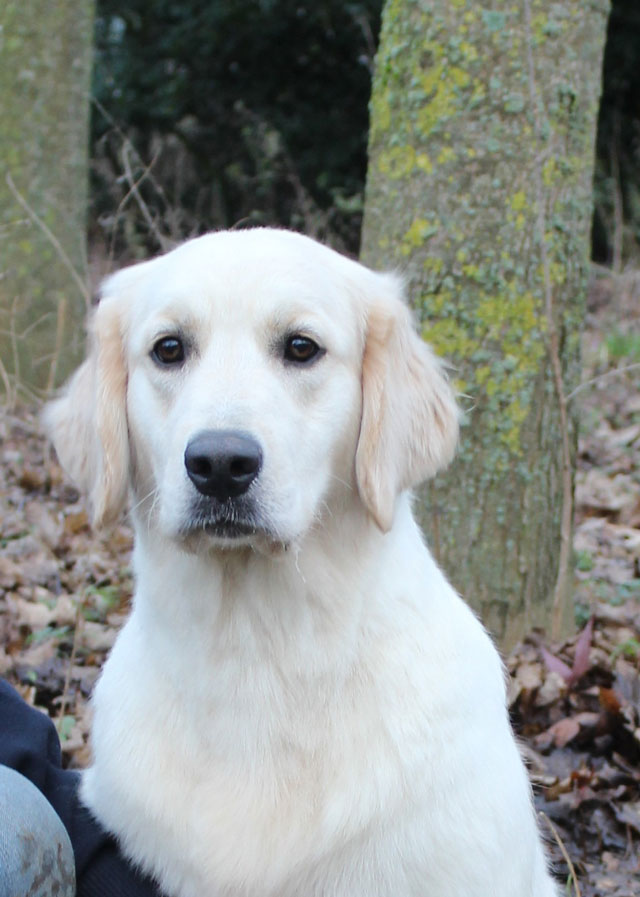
(479, 189)
(45, 65)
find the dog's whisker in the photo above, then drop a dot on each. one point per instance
(327, 508)
(152, 492)
(296, 557)
(342, 482)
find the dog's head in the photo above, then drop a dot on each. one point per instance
(245, 385)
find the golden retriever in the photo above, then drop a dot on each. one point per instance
(299, 704)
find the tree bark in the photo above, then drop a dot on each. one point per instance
(479, 189)
(45, 66)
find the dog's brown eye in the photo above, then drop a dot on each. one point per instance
(301, 349)
(168, 350)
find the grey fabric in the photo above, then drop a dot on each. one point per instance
(36, 858)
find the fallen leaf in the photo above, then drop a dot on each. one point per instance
(629, 814)
(76, 522)
(10, 573)
(29, 613)
(564, 731)
(581, 654)
(96, 637)
(553, 687)
(31, 479)
(48, 524)
(556, 665)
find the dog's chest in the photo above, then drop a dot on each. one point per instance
(251, 764)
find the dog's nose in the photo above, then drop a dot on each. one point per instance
(222, 463)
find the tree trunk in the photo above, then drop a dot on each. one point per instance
(479, 189)
(45, 64)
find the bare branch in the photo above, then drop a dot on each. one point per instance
(606, 376)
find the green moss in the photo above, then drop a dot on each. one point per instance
(423, 163)
(549, 172)
(518, 201)
(449, 338)
(508, 329)
(380, 113)
(446, 154)
(397, 162)
(433, 264)
(420, 231)
(440, 107)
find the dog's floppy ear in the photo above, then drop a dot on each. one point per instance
(88, 423)
(409, 425)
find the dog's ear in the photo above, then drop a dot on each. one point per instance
(409, 426)
(88, 422)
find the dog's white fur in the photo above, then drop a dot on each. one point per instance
(310, 710)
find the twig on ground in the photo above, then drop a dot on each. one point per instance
(64, 698)
(565, 854)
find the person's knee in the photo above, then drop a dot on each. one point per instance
(36, 857)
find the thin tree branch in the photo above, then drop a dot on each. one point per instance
(606, 376)
(165, 243)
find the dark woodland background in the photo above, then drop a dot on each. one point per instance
(292, 151)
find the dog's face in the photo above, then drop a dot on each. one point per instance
(247, 384)
(243, 395)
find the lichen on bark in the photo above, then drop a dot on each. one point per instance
(482, 127)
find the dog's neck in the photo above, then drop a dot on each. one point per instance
(244, 600)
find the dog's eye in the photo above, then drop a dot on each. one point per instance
(301, 349)
(168, 350)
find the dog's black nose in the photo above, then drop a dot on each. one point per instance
(222, 463)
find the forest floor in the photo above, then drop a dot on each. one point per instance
(64, 593)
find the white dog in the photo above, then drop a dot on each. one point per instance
(299, 704)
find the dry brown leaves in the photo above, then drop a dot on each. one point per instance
(577, 705)
(64, 592)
